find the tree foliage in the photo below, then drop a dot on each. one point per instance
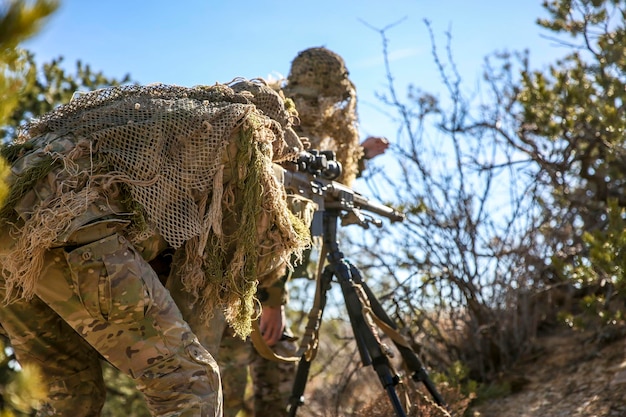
(573, 129)
(21, 390)
(513, 193)
(27, 91)
(51, 85)
(18, 21)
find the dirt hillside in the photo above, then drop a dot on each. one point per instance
(570, 374)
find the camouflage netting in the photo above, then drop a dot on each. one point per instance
(194, 165)
(325, 98)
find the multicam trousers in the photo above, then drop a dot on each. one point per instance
(237, 358)
(103, 299)
(273, 381)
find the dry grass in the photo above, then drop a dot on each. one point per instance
(421, 404)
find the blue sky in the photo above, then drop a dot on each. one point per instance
(191, 42)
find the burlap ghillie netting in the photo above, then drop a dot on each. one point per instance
(193, 165)
(325, 99)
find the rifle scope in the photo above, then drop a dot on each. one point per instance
(319, 164)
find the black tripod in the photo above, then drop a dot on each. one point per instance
(367, 341)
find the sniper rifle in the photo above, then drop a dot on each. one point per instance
(312, 176)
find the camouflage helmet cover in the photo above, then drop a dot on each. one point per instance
(319, 71)
(325, 100)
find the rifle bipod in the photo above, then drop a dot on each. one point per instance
(358, 297)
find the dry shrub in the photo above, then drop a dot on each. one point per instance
(340, 385)
(422, 404)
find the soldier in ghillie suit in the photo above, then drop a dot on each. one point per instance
(325, 100)
(105, 184)
(326, 103)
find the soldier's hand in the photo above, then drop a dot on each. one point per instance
(374, 146)
(272, 324)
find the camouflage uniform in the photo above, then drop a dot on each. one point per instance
(239, 362)
(77, 290)
(271, 381)
(103, 299)
(234, 358)
(232, 353)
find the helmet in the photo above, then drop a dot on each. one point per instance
(319, 71)
(325, 99)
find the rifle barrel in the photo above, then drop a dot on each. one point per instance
(364, 203)
(336, 194)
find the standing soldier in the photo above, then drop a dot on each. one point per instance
(325, 101)
(100, 187)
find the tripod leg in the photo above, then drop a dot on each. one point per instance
(297, 393)
(366, 339)
(410, 357)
